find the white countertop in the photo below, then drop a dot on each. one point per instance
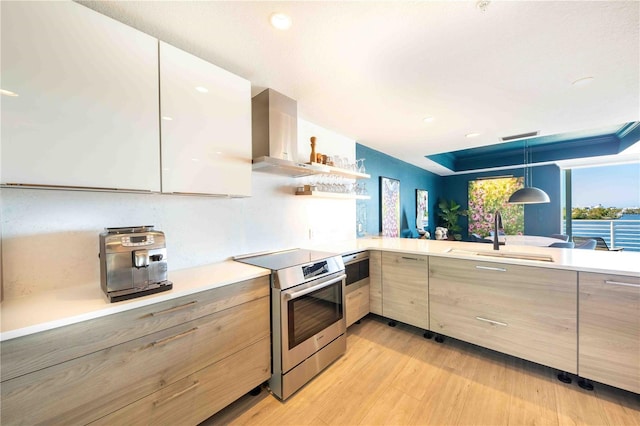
(612, 262)
(57, 308)
(47, 310)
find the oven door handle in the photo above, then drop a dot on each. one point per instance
(296, 294)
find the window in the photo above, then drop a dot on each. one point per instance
(604, 202)
(486, 196)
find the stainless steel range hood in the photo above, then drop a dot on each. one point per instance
(274, 126)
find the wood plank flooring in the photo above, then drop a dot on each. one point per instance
(394, 376)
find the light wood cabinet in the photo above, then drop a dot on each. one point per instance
(206, 126)
(609, 329)
(357, 301)
(86, 114)
(375, 282)
(196, 397)
(41, 350)
(405, 289)
(528, 312)
(100, 383)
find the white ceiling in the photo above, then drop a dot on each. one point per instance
(373, 71)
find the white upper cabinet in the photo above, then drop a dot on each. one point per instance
(205, 126)
(86, 114)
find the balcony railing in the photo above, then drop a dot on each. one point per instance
(617, 233)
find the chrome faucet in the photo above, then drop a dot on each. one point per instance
(497, 225)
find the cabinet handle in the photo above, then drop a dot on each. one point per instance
(90, 188)
(410, 258)
(491, 268)
(175, 395)
(504, 324)
(621, 283)
(175, 308)
(172, 338)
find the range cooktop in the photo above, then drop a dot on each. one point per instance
(284, 259)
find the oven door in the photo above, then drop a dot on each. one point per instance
(312, 316)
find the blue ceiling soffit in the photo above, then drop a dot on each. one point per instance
(566, 146)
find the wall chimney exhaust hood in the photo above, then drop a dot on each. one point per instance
(274, 127)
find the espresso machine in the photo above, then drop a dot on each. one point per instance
(133, 262)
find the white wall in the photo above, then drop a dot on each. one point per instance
(327, 142)
(50, 237)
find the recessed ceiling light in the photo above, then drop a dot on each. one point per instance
(8, 93)
(472, 135)
(280, 21)
(582, 81)
(202, 89)
(428, 119)
(482, 5)
(167, 118)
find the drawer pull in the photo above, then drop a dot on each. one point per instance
(177, 394)
(172, 338)
(410, 258)
(175, 308)
(491, 268)
(492, 321)
(621, 283)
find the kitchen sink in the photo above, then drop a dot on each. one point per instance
(503, 255)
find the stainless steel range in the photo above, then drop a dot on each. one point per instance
(307, 314)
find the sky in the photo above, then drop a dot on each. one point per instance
(611, 186)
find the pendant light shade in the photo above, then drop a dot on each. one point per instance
(528, 194)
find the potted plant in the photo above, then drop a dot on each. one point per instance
(449, 213)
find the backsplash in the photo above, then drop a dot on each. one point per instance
(50, 237)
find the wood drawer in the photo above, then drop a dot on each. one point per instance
(37, 351)
(405, 288)
(357, 302)
(97, 384)
(202, 394)
(524, 311)
(609, 329)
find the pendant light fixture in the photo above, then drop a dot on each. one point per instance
(528, 194)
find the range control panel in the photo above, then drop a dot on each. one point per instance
(315, 269)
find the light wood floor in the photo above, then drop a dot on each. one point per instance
(395, 376)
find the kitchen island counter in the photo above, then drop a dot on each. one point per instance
(613, 262)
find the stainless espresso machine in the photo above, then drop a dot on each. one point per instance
(133, 262)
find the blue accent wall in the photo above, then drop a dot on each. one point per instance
(539, 219)
(411, 178)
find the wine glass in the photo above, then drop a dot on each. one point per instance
(361, 168)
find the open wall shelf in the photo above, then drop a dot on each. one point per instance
(321, 194)
(342, 172)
